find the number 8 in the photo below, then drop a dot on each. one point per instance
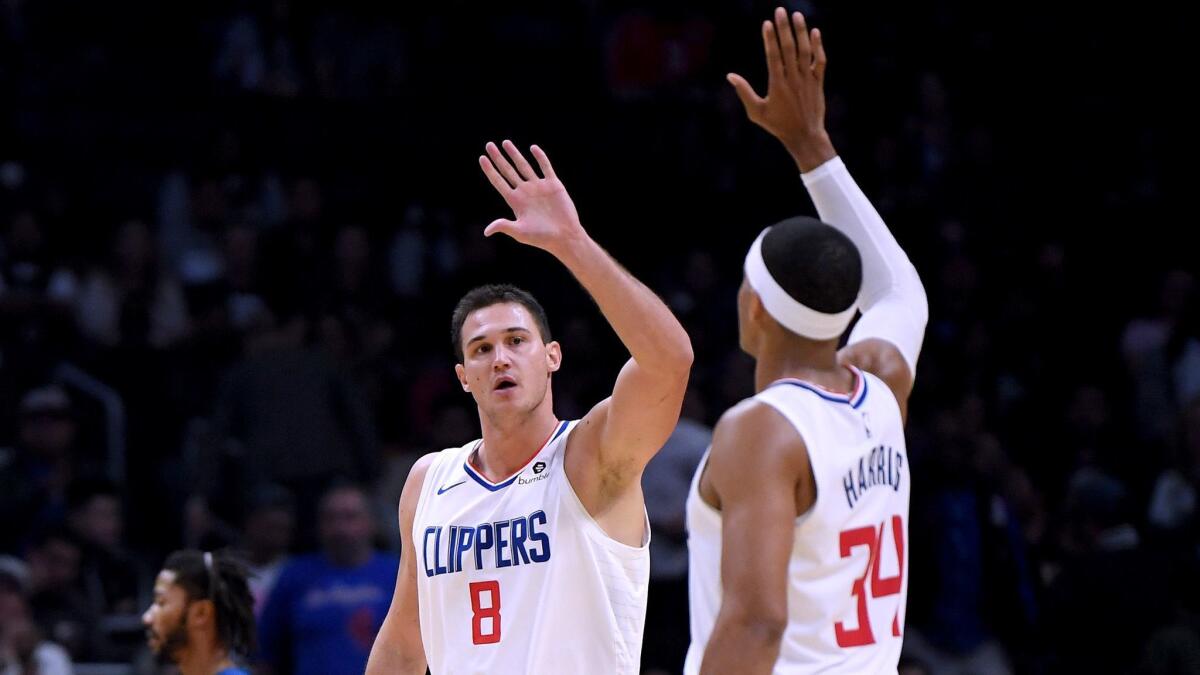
(492, 611)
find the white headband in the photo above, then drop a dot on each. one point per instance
(792, 315)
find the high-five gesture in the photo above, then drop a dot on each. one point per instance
(794, 108)
(546, 216)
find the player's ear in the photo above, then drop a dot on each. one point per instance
(553, 356)
(755, 308)
(201, 611)
(461, 372)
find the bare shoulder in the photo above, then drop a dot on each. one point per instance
(883, 360)
(416, 475)
(413, 485)
(753, 439)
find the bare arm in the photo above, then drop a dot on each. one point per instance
(398, 649)
(758, 467)
(887, 339)
(623, 432)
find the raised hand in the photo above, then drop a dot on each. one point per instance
(545, 215)
(794, 108)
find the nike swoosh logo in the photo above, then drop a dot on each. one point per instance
(448, 487)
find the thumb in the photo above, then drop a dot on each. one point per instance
(744, 91)
(500, 225)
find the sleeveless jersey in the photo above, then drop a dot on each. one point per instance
(848, 574)
(516, 576)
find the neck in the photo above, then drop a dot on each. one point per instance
(206, 661)
(781, 356)
(508, 442)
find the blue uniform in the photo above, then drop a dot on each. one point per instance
(322, 619)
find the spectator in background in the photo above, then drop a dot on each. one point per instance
(1162, 356)
(354, 329)
(23, 651)
(129, 300)
(112, 576)
(57, 599)
(245, 304)
(407, 254)
(28, 271)
(325, 609)
(36, 291)
(34, 476)
(452, 424)
(968, 556)
(353, 280)
(1174, 509)
(665, 483)
(268, 528)
(286, 415)
(1111, 592)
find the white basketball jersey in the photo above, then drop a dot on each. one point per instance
(516, 576)
(848, 574)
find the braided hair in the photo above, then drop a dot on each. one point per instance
(221, 579)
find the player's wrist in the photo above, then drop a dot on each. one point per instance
(574, 248)
(811, 150)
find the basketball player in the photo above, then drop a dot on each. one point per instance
(797, 518)
(526, 551)
(202, 617)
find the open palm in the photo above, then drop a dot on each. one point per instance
(545, 215)
(794, 108)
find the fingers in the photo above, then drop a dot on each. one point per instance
(543, 162)
(771, 47)
(519, 160)
(803, 46)
(744, 91)
(500, 169)
(818, 46)
(502, 186)
(501, 226)
(787, 42)
(502, 165)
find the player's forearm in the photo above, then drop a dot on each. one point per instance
(393, 653)
(391, 659)
(654, 337)
(891, 285)
(745, 646)
(842, 204)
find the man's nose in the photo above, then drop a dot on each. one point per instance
(501, 359)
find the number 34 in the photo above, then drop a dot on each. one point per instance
(873, 539)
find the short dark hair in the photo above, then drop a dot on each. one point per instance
(225, 584)
(495, 294)
(814, 263)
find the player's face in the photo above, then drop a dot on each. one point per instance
(166, 618)
(505, 363)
